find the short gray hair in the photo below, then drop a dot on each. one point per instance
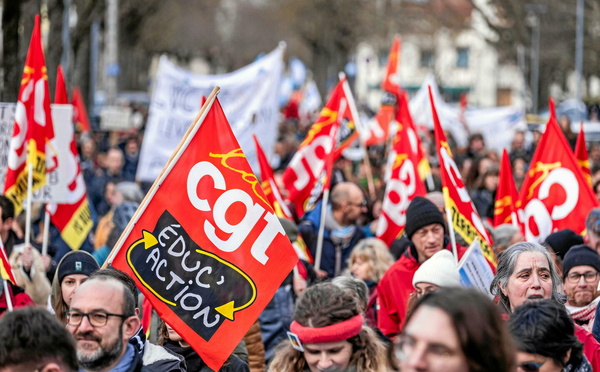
(507, 261)
(503, 234)
(354, 286)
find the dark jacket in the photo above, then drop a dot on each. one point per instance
(196, 364)
(332, 254)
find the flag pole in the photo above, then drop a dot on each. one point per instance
(45, 236)
(28, 210)
(319, 250)
(9, 304)
(193, 128)
(449, 223)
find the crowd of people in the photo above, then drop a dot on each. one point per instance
(366, 307)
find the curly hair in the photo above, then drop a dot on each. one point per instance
(322, 305)
(376, 253)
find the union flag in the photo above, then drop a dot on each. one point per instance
(507, 199)
(581, 154)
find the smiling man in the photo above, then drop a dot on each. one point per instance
(581, 277)
(102, 319)
(426, 230)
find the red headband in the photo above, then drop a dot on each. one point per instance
(332, 333)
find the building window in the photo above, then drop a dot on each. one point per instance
(462, 57)
(427, 58)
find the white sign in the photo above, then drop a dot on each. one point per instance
(497, 124)
(248, 97)
(115, 118)
(7, 120)
(474, 269)
(58, 158)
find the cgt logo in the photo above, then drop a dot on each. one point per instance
(541, 212)
(198, 286)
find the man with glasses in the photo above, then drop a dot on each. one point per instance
(580, 283)
(341, 230)
(102, 319)
(32, 339)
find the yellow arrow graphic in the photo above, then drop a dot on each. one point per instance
(228, 309)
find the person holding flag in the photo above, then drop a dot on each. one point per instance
(426, 230)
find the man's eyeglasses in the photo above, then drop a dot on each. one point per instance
(96, 318)
(531, 366)
(589, 277)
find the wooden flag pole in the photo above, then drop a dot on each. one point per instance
(28, 205)
(45, 236)
(319, 250)
(163, 173)
(369, 173)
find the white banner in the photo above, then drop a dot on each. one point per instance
(474, 270)
(249, 100)
(7, 120)
(497, 124)
(59, 160)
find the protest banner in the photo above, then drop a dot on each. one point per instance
(581, 154)
(507, 204)
(210, 259)
(474, 270)
(248, 96)
(462, 215)
(7, 120)
(555, 194)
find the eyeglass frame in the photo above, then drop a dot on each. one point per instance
(571, 277)
(363, 204)
(87, 315)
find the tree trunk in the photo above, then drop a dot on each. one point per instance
(54, 49)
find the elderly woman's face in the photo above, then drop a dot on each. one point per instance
(530, 280)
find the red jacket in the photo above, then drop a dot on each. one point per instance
(395, 288)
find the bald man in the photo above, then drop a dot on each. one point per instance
(347, 204)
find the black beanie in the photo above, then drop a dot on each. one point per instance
(420, 213)
(580, 255)
(77, 262)
(562, 240)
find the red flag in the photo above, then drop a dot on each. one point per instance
(80, 116)
(6, 272)
(404, 182)
(581, 154)
(507, 198)
(415, 141)
(391, 80)
(268, 184)
(347, 117)
(73, 219)
(211, 261)
(308, 163)
(33, 126)
(146, 317)
(60, 91)
(378, 127)
(555, 194)
(465, 219)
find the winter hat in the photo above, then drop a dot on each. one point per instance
(562, 240)
(440, 270)
(420, 213)
(77, 262)
(580, 255)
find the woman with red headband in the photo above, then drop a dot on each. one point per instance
(328, 334)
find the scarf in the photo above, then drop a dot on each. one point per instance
(584, 316)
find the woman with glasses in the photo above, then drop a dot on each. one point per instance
(455, 330)
(328, 334)
(545, 338)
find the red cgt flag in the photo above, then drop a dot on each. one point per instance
(555, 194)
(507, 198)
(581, 154)
(307, 165)
(391, 80)
(465, 219)
(210, 262)
(404, 182)
(33, 126)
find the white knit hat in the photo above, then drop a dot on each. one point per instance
(440, 269)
